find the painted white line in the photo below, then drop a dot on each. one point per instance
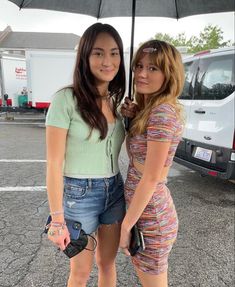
(22, 188)
(37, 123)
(22, 160)
(25, 119)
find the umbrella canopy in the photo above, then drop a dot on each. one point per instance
(121, 8)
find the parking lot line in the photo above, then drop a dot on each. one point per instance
(22, 123)
(22, 188)
(22, 160)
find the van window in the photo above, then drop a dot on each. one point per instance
(215, 80)
(189, 70)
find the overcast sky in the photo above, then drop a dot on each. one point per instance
(145, 28)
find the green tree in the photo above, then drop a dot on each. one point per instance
(210, 38)
(179, 40)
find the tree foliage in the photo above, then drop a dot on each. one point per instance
(210, 38)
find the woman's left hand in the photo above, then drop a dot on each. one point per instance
(129, 109)
(125, 241)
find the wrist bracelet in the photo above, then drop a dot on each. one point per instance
(57, 212)
(57, 224)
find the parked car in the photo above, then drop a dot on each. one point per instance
(208, 144)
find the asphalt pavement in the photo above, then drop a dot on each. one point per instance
(203, 255)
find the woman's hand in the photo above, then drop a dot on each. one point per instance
(59, 236)
(125, 240)
(129, 109)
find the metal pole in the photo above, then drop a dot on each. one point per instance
(131, 47)
(126, 120)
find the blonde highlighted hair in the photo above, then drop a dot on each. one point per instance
(167, 58)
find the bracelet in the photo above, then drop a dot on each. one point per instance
(57, 212)
(57, 224)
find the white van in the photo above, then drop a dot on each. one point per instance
(208, 143)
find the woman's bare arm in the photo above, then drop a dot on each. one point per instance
(56, 143)
(157, 152)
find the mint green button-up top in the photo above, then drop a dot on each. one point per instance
(85, 157)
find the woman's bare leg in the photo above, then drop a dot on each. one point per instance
(108, 242)
(80, 267)
(148, 280)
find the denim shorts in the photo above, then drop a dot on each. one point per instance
(94, 201)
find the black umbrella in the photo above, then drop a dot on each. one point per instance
(122, 8)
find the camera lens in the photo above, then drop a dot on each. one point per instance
(77, 225)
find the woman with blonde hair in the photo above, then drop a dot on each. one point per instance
(151, 144)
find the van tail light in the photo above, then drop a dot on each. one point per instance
(234, 140)
(213, 173)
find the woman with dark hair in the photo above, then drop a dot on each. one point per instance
(152, 141)
(84, 135)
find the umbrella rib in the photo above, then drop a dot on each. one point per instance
(21, 4)
(176, 9)
(99, 12)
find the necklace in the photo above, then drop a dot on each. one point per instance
(105, 98)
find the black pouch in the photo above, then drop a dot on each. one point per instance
(76, 245)
(78, 237)
(137, 241)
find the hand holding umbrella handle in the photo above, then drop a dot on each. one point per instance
(127, 123)
(128, 111)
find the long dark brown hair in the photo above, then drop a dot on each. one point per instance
(84, 87)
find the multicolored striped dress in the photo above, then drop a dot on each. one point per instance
(158, 222)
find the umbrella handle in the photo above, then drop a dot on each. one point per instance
(127, 120)
(127, 123)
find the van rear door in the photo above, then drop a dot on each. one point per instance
(212, 108)
(190, 69)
